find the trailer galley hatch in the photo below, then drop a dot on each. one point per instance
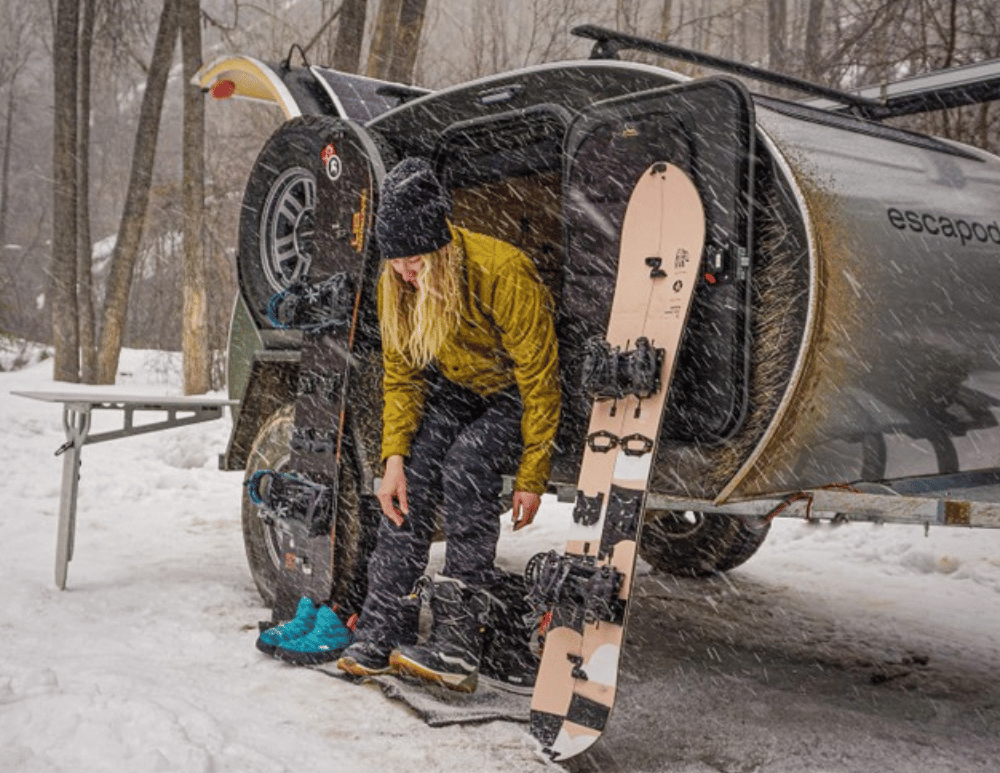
(705, 128)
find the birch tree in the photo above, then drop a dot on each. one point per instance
(84, 243)
(63, 271)
(194, 318)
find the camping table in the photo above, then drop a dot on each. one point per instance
(77, 407)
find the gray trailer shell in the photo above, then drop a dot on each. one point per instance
(899, 372)
(896, 385)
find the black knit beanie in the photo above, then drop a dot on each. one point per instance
(412, 211)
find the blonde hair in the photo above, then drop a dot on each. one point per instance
(417, 321)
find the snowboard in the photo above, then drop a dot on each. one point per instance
(302, 498)
(587, 587)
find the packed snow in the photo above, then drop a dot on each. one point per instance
(146, 662)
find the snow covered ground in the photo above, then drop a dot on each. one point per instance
(146, 661)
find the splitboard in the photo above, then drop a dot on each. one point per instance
(302, 499)
(587, 587)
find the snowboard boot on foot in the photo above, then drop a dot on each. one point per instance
(300, 625)
(323, 643)
(370, 656)
(365, 658)
(451, 655)
(509, 660)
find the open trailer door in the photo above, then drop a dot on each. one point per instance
(707, 129)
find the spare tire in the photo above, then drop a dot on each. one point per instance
(277, 238)
(690, 543)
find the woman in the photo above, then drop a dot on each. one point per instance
(471, 391)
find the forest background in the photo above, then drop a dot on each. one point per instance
(120, 183)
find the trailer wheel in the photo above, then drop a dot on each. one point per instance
(690, 543)
(356, 524)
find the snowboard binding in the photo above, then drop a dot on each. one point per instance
(287, 496)
(612, 374)
(555, 578)
(314, 307)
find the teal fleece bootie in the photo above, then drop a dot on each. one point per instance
(328, 638)
(298, 626)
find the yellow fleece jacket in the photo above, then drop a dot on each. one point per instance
(506, 336)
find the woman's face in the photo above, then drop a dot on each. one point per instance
(408, 268)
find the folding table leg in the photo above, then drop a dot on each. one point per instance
(77, 424)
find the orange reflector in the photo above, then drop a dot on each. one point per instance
(223, 89)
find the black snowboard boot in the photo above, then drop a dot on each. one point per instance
(510, 659)
(451, 654)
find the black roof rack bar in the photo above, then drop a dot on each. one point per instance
(610, 42)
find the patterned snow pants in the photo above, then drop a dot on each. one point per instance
(464, 445)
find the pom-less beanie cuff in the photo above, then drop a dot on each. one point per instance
(413, 209)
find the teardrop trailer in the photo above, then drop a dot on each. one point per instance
(842, 356)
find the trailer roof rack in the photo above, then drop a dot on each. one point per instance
(609, 42)
(970, 84)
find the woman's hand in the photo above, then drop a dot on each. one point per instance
(525, 507)
(393, 489)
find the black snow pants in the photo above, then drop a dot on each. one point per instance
(464, 445)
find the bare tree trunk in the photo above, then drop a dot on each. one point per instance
(777, 21)
(194, 327)
(19, 40)
(350, 35)
(62, 279)
(133, 220)
(8, 136)
(407, 37)
(950, 44)
(951, 39)
(84, 243)
(813, 51)
(380, 54)
(666, 14)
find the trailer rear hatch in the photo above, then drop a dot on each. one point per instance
(707, 129)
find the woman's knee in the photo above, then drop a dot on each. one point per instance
(468, 473)
(410, 541)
